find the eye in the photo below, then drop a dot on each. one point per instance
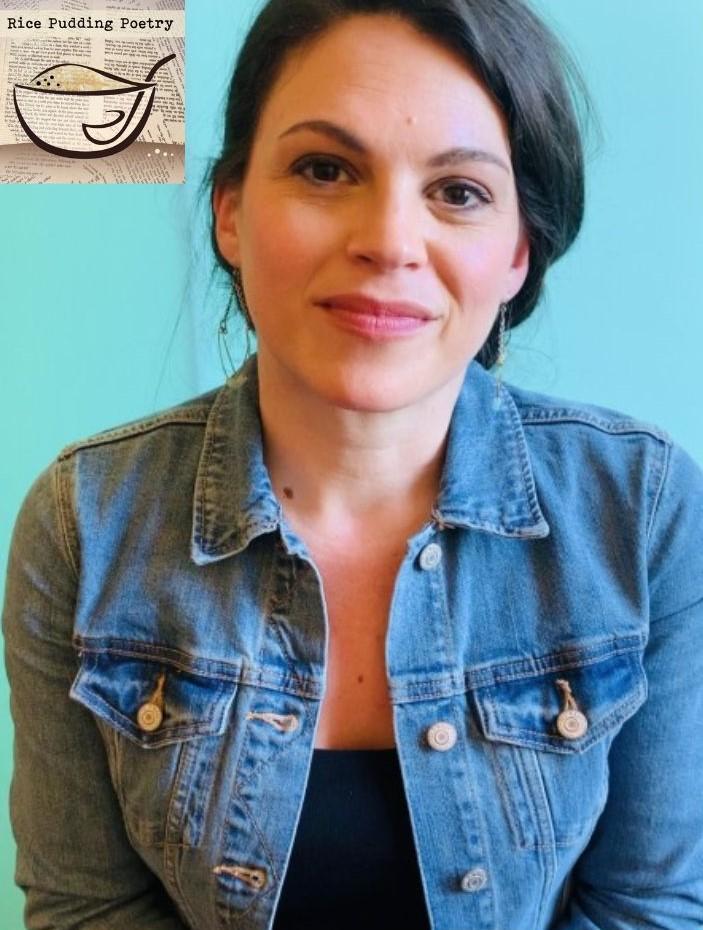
(461, 195)
(320, 170)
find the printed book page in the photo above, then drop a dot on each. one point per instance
(92, 91)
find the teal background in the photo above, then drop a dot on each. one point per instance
(108, 311)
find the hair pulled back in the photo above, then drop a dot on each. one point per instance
(523, 66)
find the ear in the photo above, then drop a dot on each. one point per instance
(520, 265)
(225, 204)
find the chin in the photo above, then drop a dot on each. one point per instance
(372, 393)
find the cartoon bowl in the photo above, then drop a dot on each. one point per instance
(64, 109)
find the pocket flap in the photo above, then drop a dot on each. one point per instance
(175, 705)
(523, 709)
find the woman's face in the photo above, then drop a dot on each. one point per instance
(380, 174)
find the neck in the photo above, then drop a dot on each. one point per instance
(337, 470)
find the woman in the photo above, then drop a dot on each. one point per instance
(369, 637)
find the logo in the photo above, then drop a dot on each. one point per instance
(57, 108)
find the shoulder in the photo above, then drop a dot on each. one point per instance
(179, 419)
(580, 424)
(612, 462)
(135, 471)
(544, 410)
(593, 448)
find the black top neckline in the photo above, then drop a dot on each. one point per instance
(384, 749)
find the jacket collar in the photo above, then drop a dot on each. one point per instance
(487, 481)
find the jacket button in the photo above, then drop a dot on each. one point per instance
(441, 736)
(474, 880)
(571, 724)
(430, 557)
(149, 717)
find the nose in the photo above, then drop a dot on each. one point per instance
(388, 230)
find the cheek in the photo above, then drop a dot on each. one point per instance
(286, 240)
(480, 268)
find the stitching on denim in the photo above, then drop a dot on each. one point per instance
(196, 417)
(679, 610)
(526, 468)
(204, 467)
(457, 683)
(468, 817)
(546, 741)
(175, 824)
(541, 416)
(282, 572)
(166, 736)
(217, 669)
(65, 514)
(439, 600)
(504, 792)
(172, 872)
(561, 840)
(201, 501)
(541, 810)
(525, 529)
(448, 685)
(209, 462)
(167, 655)
(665, 466)
(234, 917)
(264, 759)
(578, 657)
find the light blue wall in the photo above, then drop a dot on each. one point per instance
(107, 312)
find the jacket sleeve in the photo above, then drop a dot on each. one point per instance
(74, 860)
(644, 864)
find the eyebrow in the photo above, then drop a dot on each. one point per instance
(453, 156)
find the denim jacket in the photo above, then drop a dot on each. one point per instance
(166, 643)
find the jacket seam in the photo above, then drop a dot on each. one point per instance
(198, 417)
(201, 488)
(154, 652)
(697, 603)
(65, 514)
(526, 468)
(538, 739)
(665, 470)
(617, 427)
(489, 676)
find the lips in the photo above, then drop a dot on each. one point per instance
(369, 306)
(376, 320)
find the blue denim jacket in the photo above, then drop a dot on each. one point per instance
(166, 637)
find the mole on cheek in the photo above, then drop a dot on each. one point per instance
(288, 492)
(360, 679)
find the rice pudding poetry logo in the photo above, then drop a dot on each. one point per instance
(80, 81)
(97, 81)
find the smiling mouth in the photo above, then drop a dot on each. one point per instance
(379, 309)
(376, 323)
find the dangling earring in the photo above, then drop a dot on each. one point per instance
(238, 288)
(501, 357)
(239, 291)
(223, 329)
(222, 344)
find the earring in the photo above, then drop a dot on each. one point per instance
(223, 328)
(501, 357)
(222, 344)
(239, 291)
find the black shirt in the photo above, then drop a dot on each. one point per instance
(353, 863)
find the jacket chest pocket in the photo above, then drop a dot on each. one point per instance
(548, 735)
(161, 726)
